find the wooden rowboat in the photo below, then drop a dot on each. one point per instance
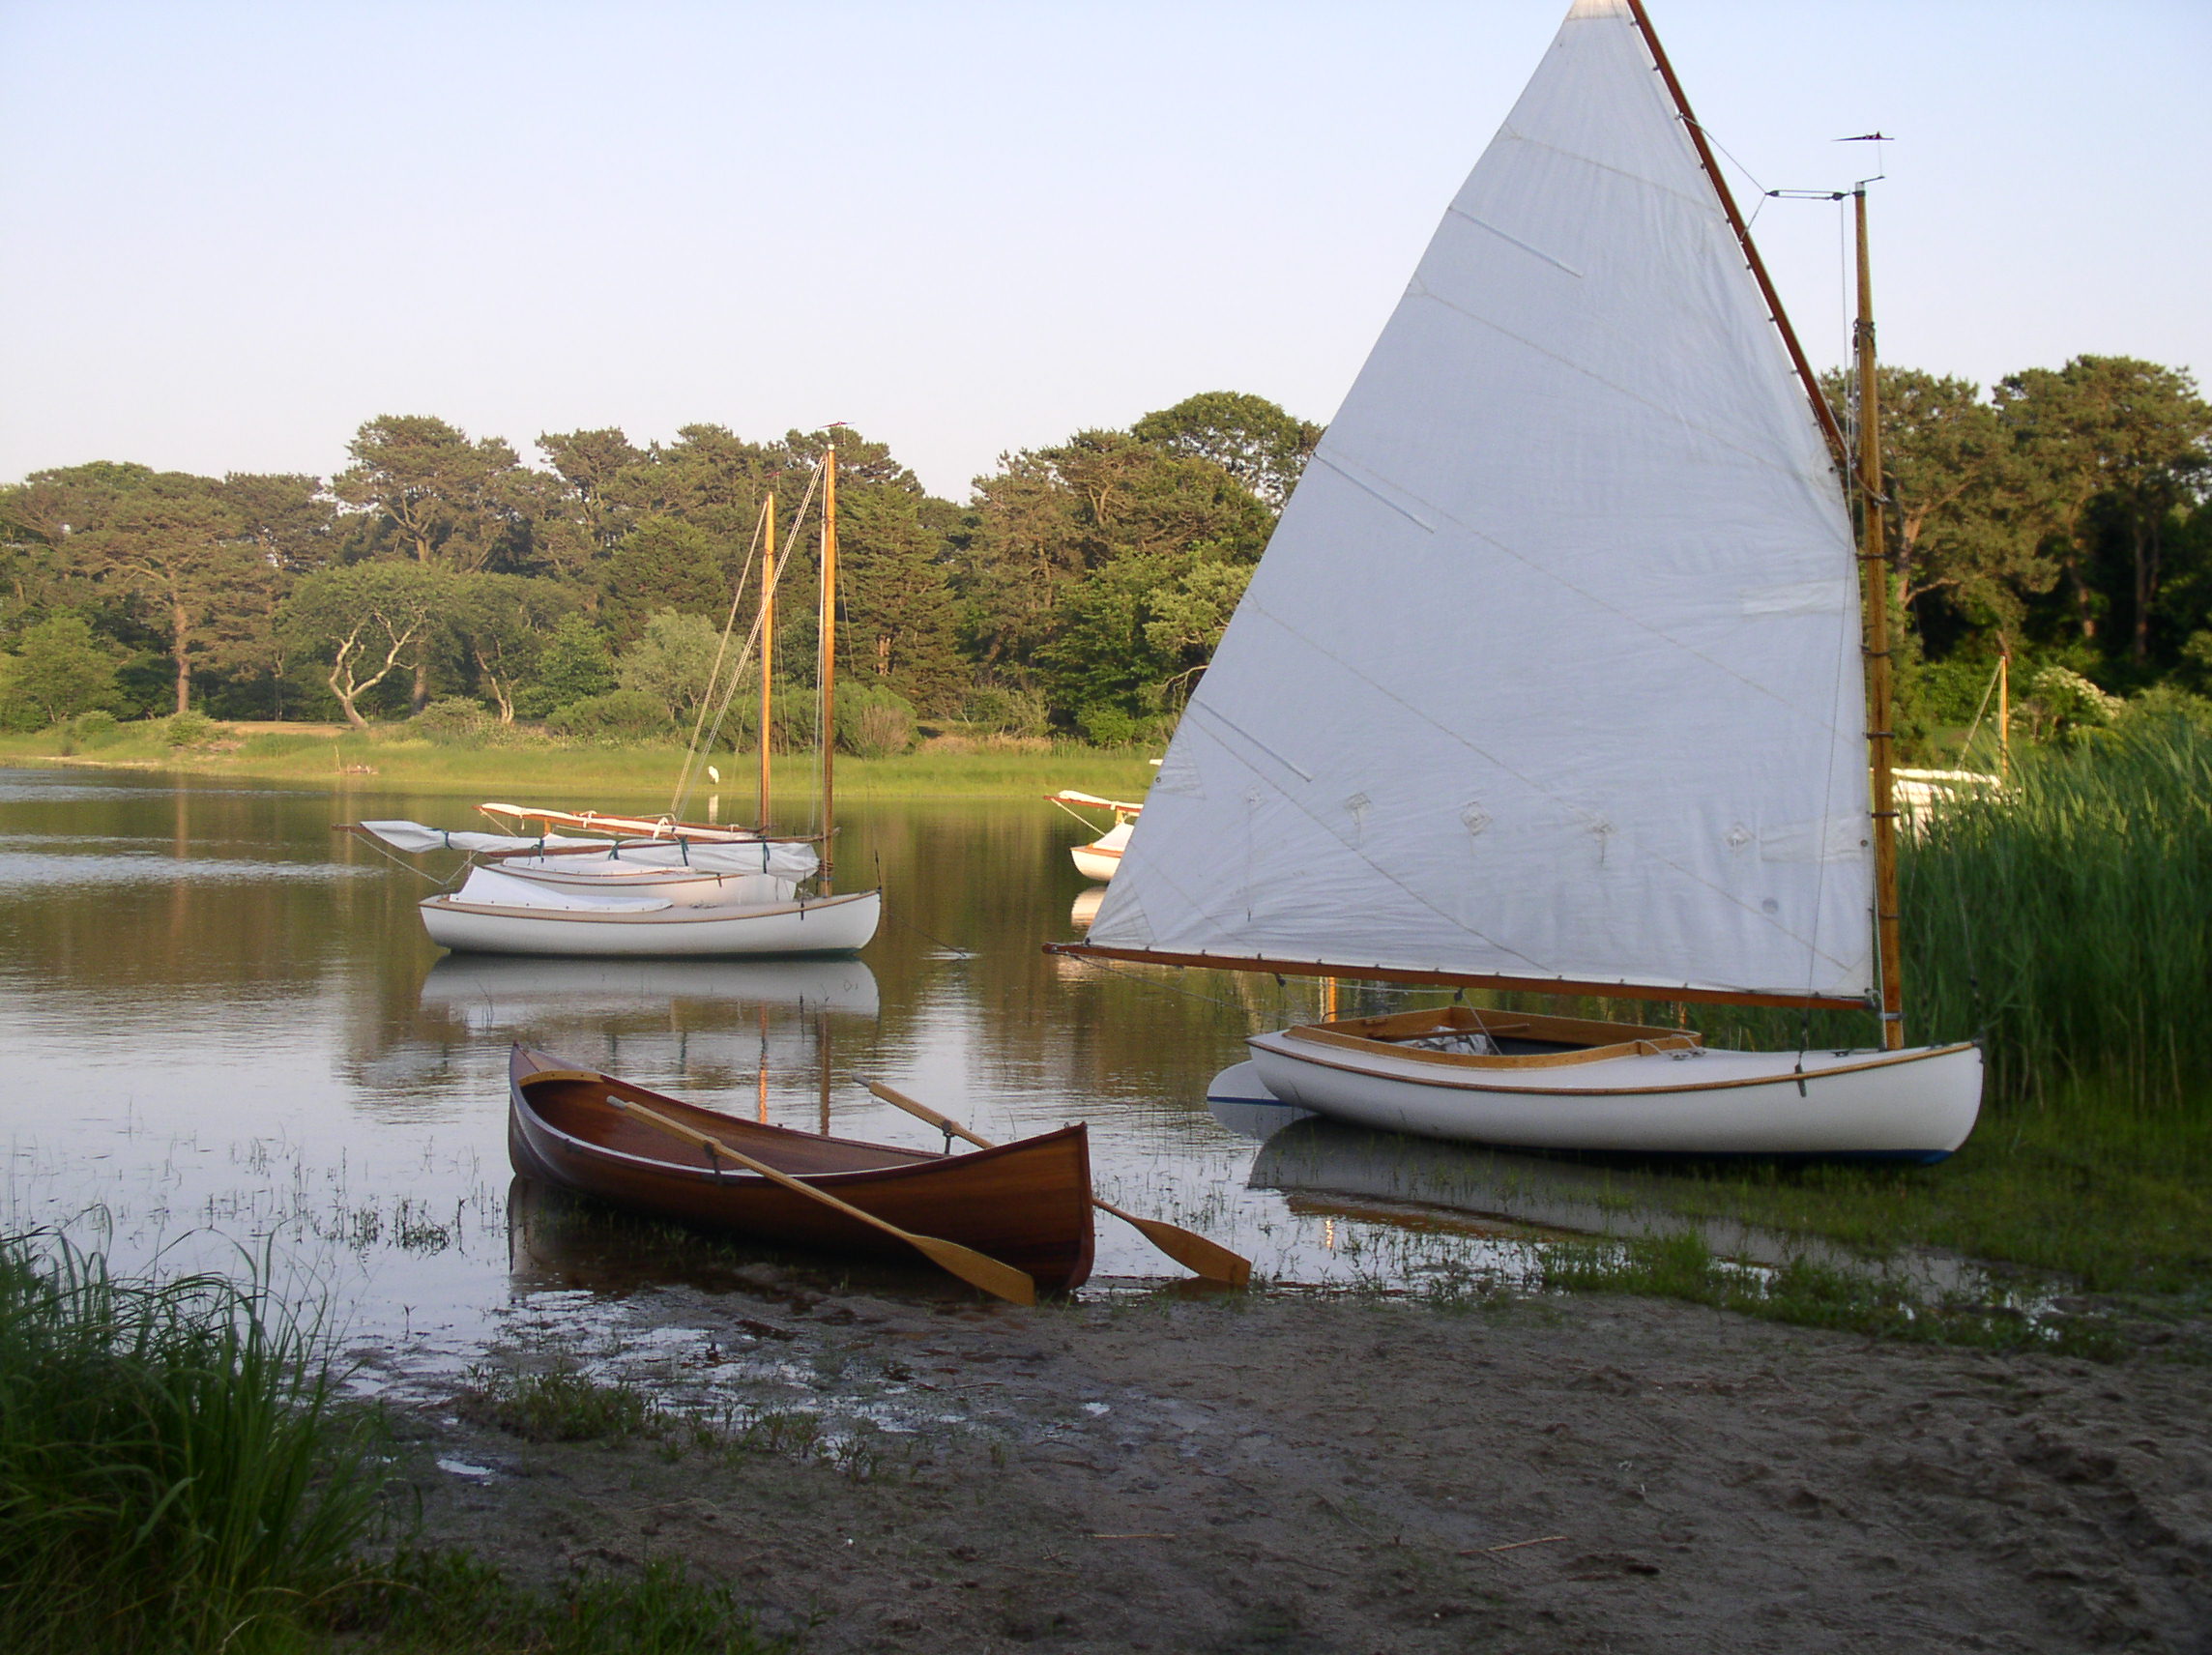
(1026, 1205)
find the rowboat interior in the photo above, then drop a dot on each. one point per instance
(1026, 1205)
(1460, 1036)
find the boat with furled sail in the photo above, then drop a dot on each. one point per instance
(1552, 679)
(1022, 1207)
(620, 886)
(1103, 856)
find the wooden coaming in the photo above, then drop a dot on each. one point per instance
(1589, 1040)
(1025, 1203)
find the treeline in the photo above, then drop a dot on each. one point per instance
(2059, 521)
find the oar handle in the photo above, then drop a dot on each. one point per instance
(922, 1112)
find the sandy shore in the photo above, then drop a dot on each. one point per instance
(1363, 1476)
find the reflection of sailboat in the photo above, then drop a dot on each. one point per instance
(1085, 908)
(1552, 679)
(496, 992)
(1321, 1158)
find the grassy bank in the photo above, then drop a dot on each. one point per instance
(2067, 925)
(177, 1476)
(641, 776)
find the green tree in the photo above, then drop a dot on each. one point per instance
(900, 621)
(1248, 437)
(574, 664)
(1051, 516)
(179, 544)
(671, 662)
(366, 621)
(60, 669)
(663, 564)
(498, 625)
(2119, 444)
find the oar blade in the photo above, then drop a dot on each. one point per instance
(1001, 1281)
(1194, 1253)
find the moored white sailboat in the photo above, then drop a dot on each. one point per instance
(661, 887)
(1552, 679)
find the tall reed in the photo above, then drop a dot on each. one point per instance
(2068, 920)
(173, 1475)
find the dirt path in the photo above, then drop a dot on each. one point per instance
(1361, 1477)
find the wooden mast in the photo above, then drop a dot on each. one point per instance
(1874, 595)
(767, 660)
(828, 733)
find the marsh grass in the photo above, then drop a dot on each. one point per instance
(564, 1405)
(174, 1474)
(1810, 1294)
(433, 1603)
(638, 777)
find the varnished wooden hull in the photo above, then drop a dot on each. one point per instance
(1025, 1203)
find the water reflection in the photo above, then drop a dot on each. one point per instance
(242, 1037)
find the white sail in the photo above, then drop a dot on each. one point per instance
(1551, 670)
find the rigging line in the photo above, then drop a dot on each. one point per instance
(771, 578)
(721, 648)
(951, 948)
(729, 695)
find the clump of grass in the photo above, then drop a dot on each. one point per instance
(173, 1472)
(436, 1602)
(1808, 1294)
(561, 1405)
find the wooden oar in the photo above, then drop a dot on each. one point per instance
(1002, 1280)
(1194, 1252)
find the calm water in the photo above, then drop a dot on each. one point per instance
(225, 1033)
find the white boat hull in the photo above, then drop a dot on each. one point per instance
(1911, 1105)
(822, 926)
(1101, 858)
(1093, 863)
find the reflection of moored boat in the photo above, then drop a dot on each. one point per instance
(495, 990)
(1103, 856)
(1026, 1205)
(1324, 1160)
(1085, 908)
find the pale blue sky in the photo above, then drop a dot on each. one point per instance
(233, 232)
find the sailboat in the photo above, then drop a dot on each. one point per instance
(659, 886)
(1557, 677)
(1101, 858)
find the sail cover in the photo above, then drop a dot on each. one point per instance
(1552, 668)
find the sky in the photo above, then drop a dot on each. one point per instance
(230, 233)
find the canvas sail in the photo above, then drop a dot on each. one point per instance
(1552, 668)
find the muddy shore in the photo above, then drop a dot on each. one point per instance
(1356, 1475)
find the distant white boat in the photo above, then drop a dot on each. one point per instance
(641, 886)
(1101, 858)
(1552, 680)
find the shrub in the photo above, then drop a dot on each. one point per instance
(619, 716)
(1005, 712)
(874, 722)
(188, 729)
(1106, 725)
(455, 721)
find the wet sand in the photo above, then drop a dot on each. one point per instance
(1369, 1475)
